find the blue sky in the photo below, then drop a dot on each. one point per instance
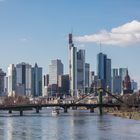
(36, 31)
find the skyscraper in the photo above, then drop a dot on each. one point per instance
(87, 75)
(101, 66)
(116, 82)
(72, 67)
(2, 75)
(104, 70)
(81, 71)
(11, 79)
(36, 81)
(122, 74)
(24, 77)
(55, 69)
(108, 74)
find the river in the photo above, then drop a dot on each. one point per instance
(74, 125)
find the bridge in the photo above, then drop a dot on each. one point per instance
(66, 106)
(38, 107)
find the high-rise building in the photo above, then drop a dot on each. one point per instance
(122, 73)
(11, 75)
(36, 81)
(134, 85)
(63, 84)
(108, 74)
(116, 82)
(72, 67)
(2, 76)
(87, 75)
(104, 70)
(45, 84)
(81, 71)
(127, 84)
(24, 77)
(46, 80)
(55, 69)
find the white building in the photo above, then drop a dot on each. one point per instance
(72, 67)
(11, 75)
(55, 69)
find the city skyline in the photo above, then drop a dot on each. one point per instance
(38, 28)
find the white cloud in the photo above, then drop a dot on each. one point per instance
(24, 40)
(124, 35)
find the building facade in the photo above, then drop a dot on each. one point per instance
(11, 75)
(72, 67)
(24, 77)
(116, 82)
(36, 81)
(87, 75)
(104, 71)
(55, 69)
(81, 71)
(2, 81)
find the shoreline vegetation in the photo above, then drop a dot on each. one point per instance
(129, 114)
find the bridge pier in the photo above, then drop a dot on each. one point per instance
(74, 108)
(92, 110)
(100, 102)
(10, 111)
(37, 110)
(65, 109)
(21, 112)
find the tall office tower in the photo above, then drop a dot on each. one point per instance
(36, 81)
(104, 71)
(45, 84)
(72, 67)
(92, 75)
(55, 69)
(134, 85)
(46, 80)
(63, 84)
(108, 74)
(24, 78)
(122, 74)
(81, 71)
(87, 75)
(11, 75)
(2, 76)
(116, 82)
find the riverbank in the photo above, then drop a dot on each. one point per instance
(124, 114)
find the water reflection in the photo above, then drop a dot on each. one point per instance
(75, 125)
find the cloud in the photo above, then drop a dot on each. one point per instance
(125, 35)
(24, 40)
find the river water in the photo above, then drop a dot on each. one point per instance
(74, 125)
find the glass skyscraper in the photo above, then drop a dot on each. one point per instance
(104, 71)
(24, 78)
(36, 81)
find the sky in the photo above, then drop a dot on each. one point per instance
(37, 31)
